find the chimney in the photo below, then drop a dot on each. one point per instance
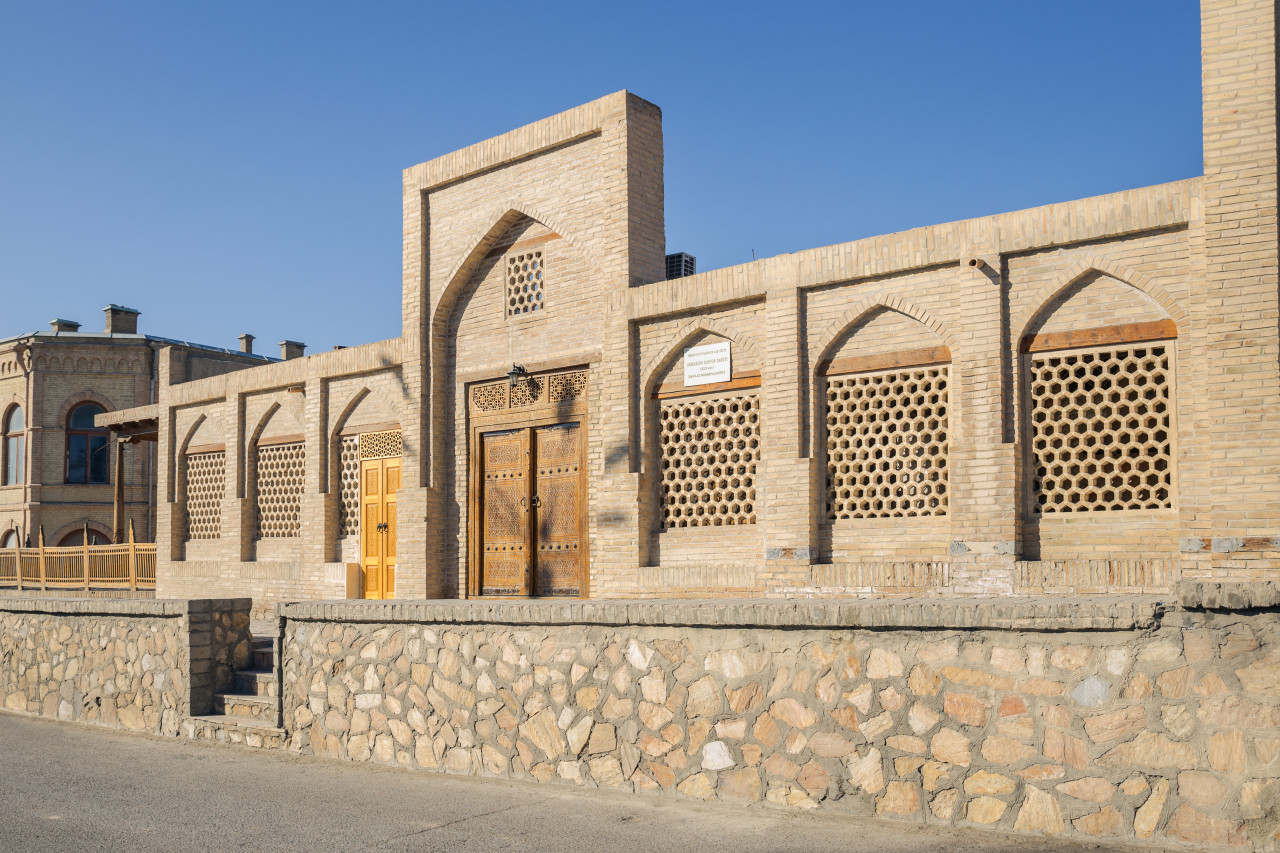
(292, 349)
(246, 343)
(121, 320)
(64, 325)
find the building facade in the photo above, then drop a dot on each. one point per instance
(1081, 396)
(57, 466)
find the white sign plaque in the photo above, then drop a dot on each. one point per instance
(706, 364)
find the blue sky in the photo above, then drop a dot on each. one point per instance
(235, 167)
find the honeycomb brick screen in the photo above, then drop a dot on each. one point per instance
(524, 282)
(279, 490)
(1100, 431)
(709, 450)
(206, 482)
(349, 476)
(887, 444)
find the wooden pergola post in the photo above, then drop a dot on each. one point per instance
(133, 559)
(117, 514)
(43, 581)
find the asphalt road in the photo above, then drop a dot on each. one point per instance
(70, 788)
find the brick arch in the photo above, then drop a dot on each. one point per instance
(863, 308)
(505, 215)
(1090, 264)
(353, 403)
(512, 213)
(82, 397)
(685, 333)
(67, 529)
(664, 359)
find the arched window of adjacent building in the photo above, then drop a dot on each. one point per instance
(88, 459)
(76, 538)
(9, 540)
(13, 446)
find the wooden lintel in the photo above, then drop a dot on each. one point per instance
(281, 439)
(677, 388)
(206, 448)
(1125, 333)
(360, 429)
(885, 361)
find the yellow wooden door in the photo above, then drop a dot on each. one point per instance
(379, 482)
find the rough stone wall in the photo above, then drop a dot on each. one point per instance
(138, 665)
(1079, 718)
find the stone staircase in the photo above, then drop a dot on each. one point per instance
(249, 716)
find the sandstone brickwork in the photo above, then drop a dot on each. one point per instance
(1110, 382)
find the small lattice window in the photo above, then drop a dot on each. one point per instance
(279, 490)
(206, 481)
(382, 445)
(1100, 431)
(349, 473)
(524, 282)
(887, 444)
(709, 450)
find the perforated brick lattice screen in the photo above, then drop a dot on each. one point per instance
(349, 474)
(887, 444)
(524, 282)
(206, 482)
(709, 450)
(381, 445)
(279, 490)
(1100, 431)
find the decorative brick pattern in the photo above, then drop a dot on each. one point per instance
(280, 471)
(524, 282)
(887, 444)
(206, 483)
(1100, 429)
(349, 477)
(709, 450)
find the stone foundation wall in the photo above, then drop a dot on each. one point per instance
(132, 664)
(1081, 717)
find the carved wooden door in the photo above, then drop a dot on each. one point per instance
(379, 482)
(557, 503)
(504, 513)
(531, 511)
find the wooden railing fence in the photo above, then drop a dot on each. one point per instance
(130, 565)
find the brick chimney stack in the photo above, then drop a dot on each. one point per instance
(292, 349)
(121, 320)
(64, 325)
(246, 343)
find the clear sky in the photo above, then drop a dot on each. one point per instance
(233, 167)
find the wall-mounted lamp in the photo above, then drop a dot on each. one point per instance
(516, 373)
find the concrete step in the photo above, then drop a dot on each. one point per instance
(242, 706)
(257, 682)
(238, 730)
(264, 653)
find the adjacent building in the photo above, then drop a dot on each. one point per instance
(58, 468)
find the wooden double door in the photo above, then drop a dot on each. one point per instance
(379, 482)
(529, 500)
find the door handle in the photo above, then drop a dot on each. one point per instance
(537, 501)
(384, 527)
(523, 503)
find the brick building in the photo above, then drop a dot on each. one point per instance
(57, 467)
(1077, 396)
